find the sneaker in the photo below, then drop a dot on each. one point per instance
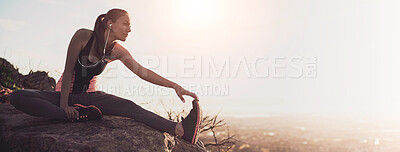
(87, 113)
(191, 123)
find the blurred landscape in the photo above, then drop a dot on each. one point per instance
(309, 134)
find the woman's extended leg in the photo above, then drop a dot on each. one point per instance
(113, 105)
(39, 103)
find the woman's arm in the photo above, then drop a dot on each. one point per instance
(72, 56)
(74, 48)
(126, 58)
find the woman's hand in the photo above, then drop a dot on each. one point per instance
(181, 91)
(71, 112)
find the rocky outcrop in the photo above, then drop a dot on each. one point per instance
(12, 79)
(39, 80)
(9, 76)
(22, 132)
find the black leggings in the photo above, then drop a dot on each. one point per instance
(47, 104)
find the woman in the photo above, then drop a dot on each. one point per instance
(76, 98)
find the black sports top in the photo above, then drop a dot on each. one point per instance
(83, 75)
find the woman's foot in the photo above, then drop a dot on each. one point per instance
(191, 123)
(87, 113)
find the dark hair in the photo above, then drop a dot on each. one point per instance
(100, 26)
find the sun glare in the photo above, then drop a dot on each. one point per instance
(196, 12)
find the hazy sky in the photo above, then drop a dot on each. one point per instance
(355, 44)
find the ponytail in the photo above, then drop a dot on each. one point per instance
(98, 31)
(99, 22)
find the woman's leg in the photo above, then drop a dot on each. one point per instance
(112, 105)
(39, 103)
(46, 104)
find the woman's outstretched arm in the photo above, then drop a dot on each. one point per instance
(126, 58)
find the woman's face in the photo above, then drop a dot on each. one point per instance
(121, 28)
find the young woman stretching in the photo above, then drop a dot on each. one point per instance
(76, 97)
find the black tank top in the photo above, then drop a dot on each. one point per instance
(83, 75)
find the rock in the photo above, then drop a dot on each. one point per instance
(4, 94)
(22, 132)
(9, 76)
(12, 79)
(38, 80)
